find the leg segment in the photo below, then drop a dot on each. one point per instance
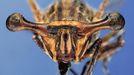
(101, 10)
(105, 68)
(105, 39)
(87, 69)
(109, 48)
(106, 50)
(38, 18)
(96, 47)
(73, 71)
(36, 11)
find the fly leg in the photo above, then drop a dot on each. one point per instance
(95, 48)
(38, 18)
(36, 11)
(101, 10)
(73, 71)
(105, 51)
(109, 48)
(104, 66)
(87, 69)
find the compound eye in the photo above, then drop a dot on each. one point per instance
(117, 20)
(13, 21)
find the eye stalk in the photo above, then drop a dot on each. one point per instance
(16, 22)
(113, 21)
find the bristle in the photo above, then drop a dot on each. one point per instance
(68, 10)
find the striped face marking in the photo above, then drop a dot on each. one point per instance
(65, 43)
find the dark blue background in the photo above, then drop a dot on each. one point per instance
(19, 55)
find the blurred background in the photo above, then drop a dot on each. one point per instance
(19, 55)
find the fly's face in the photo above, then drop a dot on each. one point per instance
(68, 31)
(65, 40)
(65, 43)
(61, 42)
